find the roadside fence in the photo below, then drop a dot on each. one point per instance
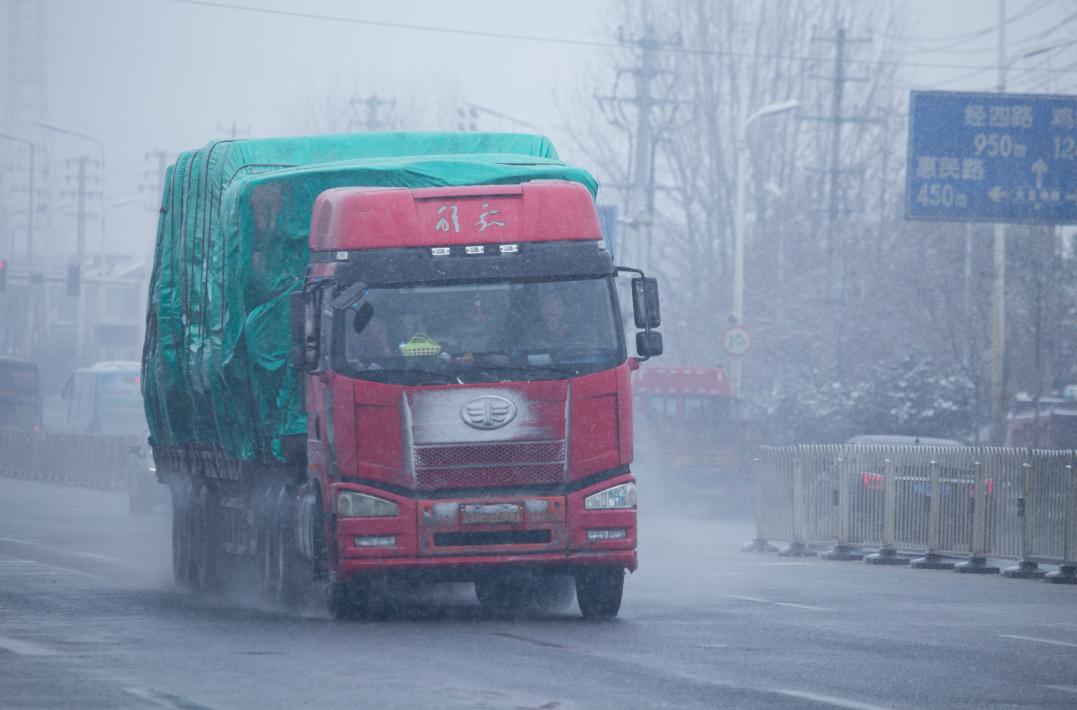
(71, 459)
(976, 503)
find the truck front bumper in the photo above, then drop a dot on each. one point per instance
(460, 537)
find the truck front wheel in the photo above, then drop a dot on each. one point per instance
(599, 591)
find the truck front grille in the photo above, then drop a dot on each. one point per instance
(494, 464)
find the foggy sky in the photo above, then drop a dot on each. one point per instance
(148, 74)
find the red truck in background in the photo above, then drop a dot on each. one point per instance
(468, 401)
(694, 439)
(1046, 423)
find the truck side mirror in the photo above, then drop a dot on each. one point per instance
(648, 343)
(304, 327)
(645, 307)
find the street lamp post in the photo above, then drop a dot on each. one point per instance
(739, 218)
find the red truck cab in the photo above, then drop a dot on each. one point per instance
(467, 392)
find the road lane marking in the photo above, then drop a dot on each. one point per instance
(165, 699)
(24, 648)
(767, 601)
(60, 551)
(1052, 642)
(1063, 688)
(95, 556)
(830, 700)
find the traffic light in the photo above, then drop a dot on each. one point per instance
(73, 279)
(3, 275)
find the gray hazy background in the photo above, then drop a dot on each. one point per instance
(153, 74)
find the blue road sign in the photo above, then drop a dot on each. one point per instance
(992, 158)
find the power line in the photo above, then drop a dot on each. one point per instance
(601, 44)
(964, 38)
(1038, 37)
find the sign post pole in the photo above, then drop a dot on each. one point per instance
(998, 158)
(998, 283)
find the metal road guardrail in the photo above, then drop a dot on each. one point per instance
(979, 503)
(72, 459)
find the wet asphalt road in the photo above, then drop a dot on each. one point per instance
(89, 618)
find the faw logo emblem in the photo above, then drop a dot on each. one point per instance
(488, 412)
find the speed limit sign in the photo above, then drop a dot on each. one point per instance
(737, 340)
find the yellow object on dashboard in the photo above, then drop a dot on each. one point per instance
(420, 345)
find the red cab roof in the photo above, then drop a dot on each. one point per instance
(350, 218)
(682, 381)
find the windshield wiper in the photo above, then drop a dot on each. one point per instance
(531, 370)
(438, 377)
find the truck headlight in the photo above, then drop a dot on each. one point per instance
(359, 505)
(622, 496)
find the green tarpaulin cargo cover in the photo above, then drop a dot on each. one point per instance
(232, 246)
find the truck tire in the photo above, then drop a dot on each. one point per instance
(206, 557)
(267, 545)
(288, 564)
(181, 535)
(599, 591)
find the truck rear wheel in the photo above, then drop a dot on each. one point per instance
(599, 591)
(267, 545)
(181, 536)
(205, 548)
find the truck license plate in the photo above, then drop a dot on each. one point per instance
(492, 514)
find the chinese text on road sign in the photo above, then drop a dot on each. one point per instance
(992, 157)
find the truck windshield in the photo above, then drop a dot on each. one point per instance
(483, 332)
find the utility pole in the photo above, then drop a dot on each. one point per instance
(835, 247)
(372, 122)
(81, 193)
(154, 177)
(643, 148)
(468, 117)
(644, 129)
(233, 131)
